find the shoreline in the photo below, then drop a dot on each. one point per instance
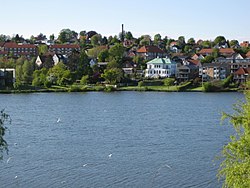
(110, 89)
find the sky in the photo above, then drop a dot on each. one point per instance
(173, 18)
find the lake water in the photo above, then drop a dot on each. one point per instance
(119, 139)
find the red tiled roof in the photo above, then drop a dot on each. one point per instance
(152, 49)
(227, 50)
(65, 46)
(206, 51)
(242, 71)
(221, 50)
(15, 45)
(195, 62)
(174, 43)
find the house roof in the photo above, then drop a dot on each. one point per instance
(206, 51)
(188, 67)
(194, 62)
(161, 61)
(221, 50)
(152, 49)
(242, 71)
(15, 45)
(44, 57)
(226, 50)
(174, 43)
(64, 46)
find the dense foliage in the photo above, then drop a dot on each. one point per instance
(235, 169)
(3, 144)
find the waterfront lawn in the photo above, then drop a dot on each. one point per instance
(148, 88)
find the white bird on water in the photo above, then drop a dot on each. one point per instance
(58, 120)
(8, 160)
(110, 155)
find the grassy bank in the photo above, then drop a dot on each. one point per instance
(89, 88)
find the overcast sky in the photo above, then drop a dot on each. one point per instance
(189, 18)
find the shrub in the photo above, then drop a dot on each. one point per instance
(141, 83)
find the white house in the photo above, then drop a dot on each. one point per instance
(160, 68)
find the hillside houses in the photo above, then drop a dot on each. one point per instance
(157, 58)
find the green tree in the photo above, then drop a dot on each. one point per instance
(103, 55)
(39, 77)
(191, 41)
(84, 80)
(216, 53)
(145, 40)
(66, 35)
(94, 52)
(42, 49)
(112, 76)
(157, 39)
(116, 53)
(206, 44)
(96, 40)
(234, 43)
(235, 168)
(128, 35)
(59, 75)
(27, 70)
(207, 59)
(52, 37)
(3, 144)
(169, 82)
(220, 40)
(181, 42)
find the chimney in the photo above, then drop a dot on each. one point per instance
(122, 38)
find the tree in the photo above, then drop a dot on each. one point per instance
(157, 39)
(116, 53)
(52, 37)
(103, 55)
(206, 44)
(96, 39)
(216, 53)
(59, 75)
(169, 82)
(234, 43)
(128, 35)
(207, 59)
(84, 80)
(27, 70)
(66, 35)
(3, 144)
(220, 40)
(235, 168)
(112, 76)
(93, 53)
(39, 77)
(145, 40)
(191, 41)
(42, 49)
(181, 42)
